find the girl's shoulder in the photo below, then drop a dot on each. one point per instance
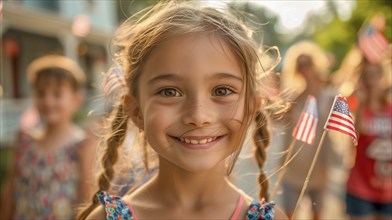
(31, 134)
(25, 139)
(78, 134)
(30, 142)
(115, 207)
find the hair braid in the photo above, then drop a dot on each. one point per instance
(109, 158)
(262, 140)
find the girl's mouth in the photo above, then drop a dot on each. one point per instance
(198, 142)
(194, 141)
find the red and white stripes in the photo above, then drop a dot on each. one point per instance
(372, 43)
(305, 130)
(342, 123)
(340, 119)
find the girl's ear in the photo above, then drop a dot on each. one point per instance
(132, 109)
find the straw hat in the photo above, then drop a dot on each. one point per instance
(55, 61)
(292, 80)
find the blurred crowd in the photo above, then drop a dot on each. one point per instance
(50, 172)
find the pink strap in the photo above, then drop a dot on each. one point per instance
(238, 209)
(132, 212)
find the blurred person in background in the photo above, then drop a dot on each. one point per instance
(305, 72)
(369, 186)
(52, 162)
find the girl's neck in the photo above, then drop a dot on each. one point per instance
(58, 128)
(375, 104)
(177, 194)
(53, 136)
(313, 86)
(375, 100)
(191, 189)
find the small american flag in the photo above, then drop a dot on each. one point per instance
(340, 119)
(305, 130)
(372, 43)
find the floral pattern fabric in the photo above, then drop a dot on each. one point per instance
(261, 211)
(46, 182)
(117, 209)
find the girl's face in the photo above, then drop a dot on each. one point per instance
(190, 101)
(56, 101)
(371, 77)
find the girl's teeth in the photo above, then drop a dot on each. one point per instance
(203, 141)
(191, 141)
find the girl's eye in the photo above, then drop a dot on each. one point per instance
(222, 91)
(169, 92)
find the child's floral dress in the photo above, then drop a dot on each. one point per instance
(46, 183)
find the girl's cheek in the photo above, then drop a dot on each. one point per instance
(234, 110)
(71, 105)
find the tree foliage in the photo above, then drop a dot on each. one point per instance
(339, 36)
(126, 8)
(261, 20)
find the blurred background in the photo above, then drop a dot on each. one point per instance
(83, 30)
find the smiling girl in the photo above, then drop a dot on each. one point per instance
(194, 85)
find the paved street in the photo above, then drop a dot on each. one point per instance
(246, 172)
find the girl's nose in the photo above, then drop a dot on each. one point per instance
(198, 115)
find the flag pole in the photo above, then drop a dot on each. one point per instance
(314, 160)
(282, 172)
(310, 172)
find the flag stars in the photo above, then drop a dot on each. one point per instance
(341, 107)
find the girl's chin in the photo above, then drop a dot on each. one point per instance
(201, 165)
(51, 120)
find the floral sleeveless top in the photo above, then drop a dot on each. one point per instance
(118, 209)
(46, 183)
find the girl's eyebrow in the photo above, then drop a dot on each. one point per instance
(175, 77)
(163, 77)
(227, 75)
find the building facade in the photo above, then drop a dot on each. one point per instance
(81, 30)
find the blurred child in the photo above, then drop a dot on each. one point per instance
(194, 87)
(52, 162)
(305, 73)
(369, 186)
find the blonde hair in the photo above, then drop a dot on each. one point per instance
(139, 35)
